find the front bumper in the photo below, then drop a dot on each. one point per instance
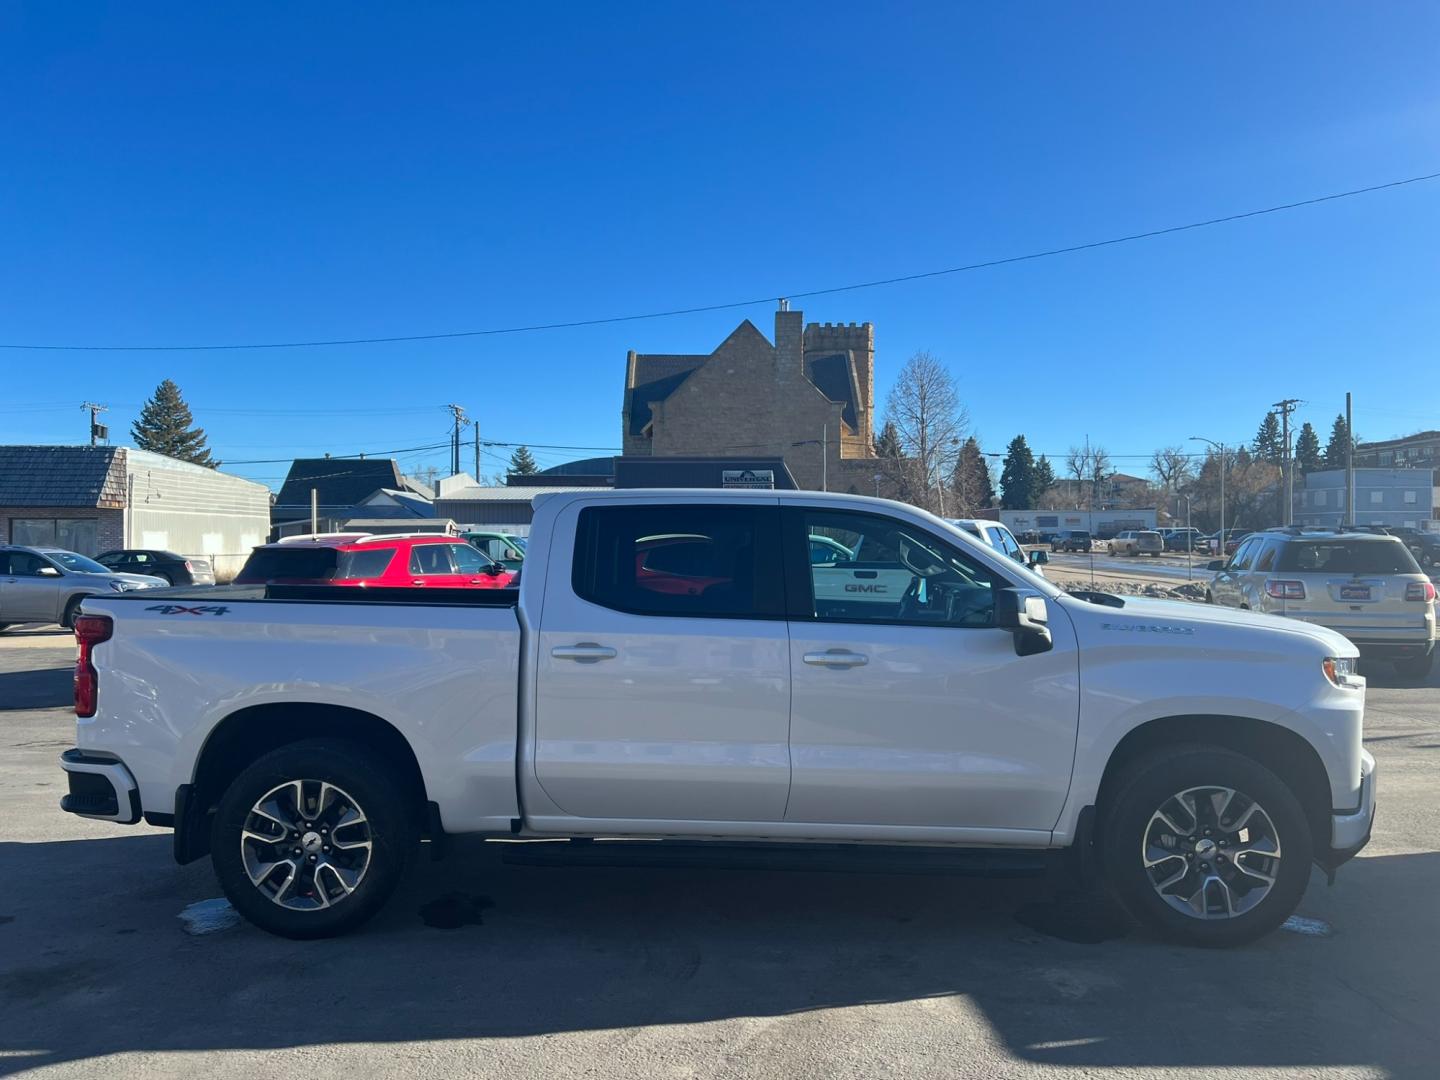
(101, 787)
(1350, 829)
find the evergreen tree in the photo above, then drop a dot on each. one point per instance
(1335, 448)
(522, 462)
(1044, 479)
(165, 427)
(1017, 478)
(1268, 439)
(1307, 450)
(971, 480)
(887, 444)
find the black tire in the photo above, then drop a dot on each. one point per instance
(388, 808)
(1209, 597)
(1148, 785)
(67, 620)
(1417, 668)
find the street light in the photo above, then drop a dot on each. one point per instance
(1220, 544)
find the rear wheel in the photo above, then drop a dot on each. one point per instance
(1205, 846)
(67, 620)
(311, 840)
(1417, 668)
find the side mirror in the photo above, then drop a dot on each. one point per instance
(494, 569)
(1038, 557)
(48, 571)
(1215, 564)
(1025, 615)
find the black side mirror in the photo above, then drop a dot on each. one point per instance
(494, 569)
(1038, 558)
(1024, 614)
(1215, 564)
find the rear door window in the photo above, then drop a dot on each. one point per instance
(688, 561)
(430, 559)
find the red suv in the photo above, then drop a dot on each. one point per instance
(399, 562)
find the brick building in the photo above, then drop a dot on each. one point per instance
(808, 396)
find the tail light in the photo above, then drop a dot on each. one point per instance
(1281, 589)
(90, 630)
(1420, 590)
(188, 567)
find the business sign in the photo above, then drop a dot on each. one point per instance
(747, 478)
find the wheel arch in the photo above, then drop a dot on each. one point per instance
(248, 733)
(1282, 751)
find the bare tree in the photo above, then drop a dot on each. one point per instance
(1171, 466)
(1100, 472)
(925, 408)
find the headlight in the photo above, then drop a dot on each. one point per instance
(1341, 672)
(120, 586)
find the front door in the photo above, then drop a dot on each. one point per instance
(909, 708)
(663, 670)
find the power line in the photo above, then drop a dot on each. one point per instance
(703, 308)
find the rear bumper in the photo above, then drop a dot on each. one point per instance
(101, 787)
(1350, 829)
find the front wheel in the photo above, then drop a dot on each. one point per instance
(311, 840)
(72, 609)
(1205, 846)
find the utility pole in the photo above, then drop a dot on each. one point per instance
(825, 457)
(458, 413)
(476, 425)
(97, 429)
(1287, 465)
(1349, 465)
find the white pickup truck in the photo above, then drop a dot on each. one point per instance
(771, 667)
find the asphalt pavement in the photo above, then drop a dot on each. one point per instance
(485, 968)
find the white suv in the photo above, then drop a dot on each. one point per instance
(1363, 585)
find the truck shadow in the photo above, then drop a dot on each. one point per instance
(95, 963)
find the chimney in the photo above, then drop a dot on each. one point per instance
(789, 342)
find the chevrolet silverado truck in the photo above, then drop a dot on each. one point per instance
(683, 665)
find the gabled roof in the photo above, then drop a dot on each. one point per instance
(80, 476)
(337, 481)
(656, 378)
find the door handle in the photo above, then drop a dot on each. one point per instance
(417, 581)
(836, 658)
(587, 652)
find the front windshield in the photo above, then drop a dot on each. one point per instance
(78, 563)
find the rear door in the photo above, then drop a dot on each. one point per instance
(913, 711)
(26, 595)
(663, 671)
(431, 566)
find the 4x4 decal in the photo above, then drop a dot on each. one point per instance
(181, 609)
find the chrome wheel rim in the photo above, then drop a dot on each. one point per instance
(1211, 852)
(306, 845)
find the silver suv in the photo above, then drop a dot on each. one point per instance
(1363, 585)
(46, 585)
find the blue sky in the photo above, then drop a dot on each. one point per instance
(179, 174)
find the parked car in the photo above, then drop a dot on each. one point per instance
(175, 569)
(1136, 542)
(1001, 539)
(46, 585)
(1230, 541)
(1184, 540)
(417, 560)
(1425, 546)
(1070, 540)
(1366, 586)
(1198, 760)
(505, 548)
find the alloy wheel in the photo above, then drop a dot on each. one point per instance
(1211, 852)
(306, 845)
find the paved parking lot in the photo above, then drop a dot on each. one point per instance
(485, 968)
